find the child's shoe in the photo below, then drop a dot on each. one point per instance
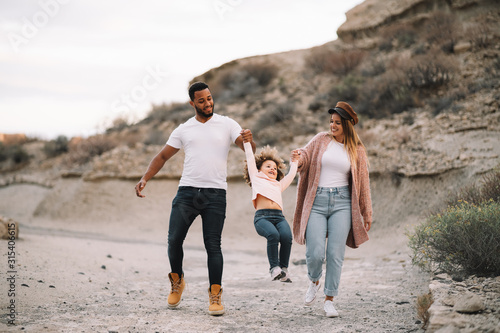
(276, 273)
(286, 276)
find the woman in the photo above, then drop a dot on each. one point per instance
(333, 201)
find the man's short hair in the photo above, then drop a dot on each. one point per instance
(197, 86)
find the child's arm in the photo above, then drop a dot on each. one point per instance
(252, 167)
(287, 180)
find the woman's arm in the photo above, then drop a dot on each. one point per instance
(305, 153)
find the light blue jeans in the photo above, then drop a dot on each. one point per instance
(328, 226)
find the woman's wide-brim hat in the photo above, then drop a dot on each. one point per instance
(345, 111)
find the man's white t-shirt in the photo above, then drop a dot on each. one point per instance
(206, 146)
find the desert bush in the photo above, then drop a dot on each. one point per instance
(443, 30)
(174, 112)
(276, 124)
(156, 137)
(342, 63)
(479, 35)
(488, 188)
(385, 95)
(14, 153)
(347, 90)
(429, 71)
(441, 104)
(398, 36)
(424, 302)
(235, 84)
(238, 82)
(317, 60)
(3, 153)
(482, 83)
(85, 150)
(464, 239)
(321, 60)
(56, 147)
(374, 69)
(275, 115)
(264, 73)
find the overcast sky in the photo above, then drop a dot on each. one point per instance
(69, 67)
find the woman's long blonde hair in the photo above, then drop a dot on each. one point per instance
(351, 140)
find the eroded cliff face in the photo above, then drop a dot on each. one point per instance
(365, 19)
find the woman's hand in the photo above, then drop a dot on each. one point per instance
(368, 225)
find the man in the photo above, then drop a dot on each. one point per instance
(206, 139)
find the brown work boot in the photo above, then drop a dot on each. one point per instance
(178, 284)
(215, 295)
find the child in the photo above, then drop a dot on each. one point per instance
(263, 173)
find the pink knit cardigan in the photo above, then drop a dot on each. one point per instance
(309, 172)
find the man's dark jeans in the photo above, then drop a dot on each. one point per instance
(190, 202)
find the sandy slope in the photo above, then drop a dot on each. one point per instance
(92, 258)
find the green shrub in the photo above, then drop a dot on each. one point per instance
(15, 153)
(463, 239)
(56, 147)
(3, 153)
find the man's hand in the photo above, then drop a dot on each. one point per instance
(247, 136)
(139, 187)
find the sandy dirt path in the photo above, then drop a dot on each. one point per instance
(109, 279)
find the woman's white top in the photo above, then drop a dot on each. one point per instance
(335, 166)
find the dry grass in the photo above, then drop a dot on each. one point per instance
(424, 302)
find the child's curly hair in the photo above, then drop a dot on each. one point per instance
(267, 153)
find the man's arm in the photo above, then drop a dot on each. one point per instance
(154, 166)
(245, 136)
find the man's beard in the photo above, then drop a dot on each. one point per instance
(204, 115)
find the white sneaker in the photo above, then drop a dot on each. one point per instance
(276, 273)
(330, 310)
(311, 292)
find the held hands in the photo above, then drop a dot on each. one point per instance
(139, 187)
(295, 156)
(247, 136)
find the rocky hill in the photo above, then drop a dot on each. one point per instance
(422, 74)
